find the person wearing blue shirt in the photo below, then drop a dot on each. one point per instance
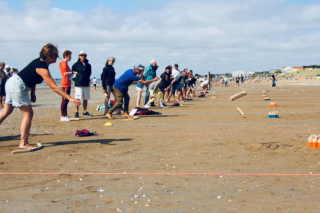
(150, 73)
(121, 89)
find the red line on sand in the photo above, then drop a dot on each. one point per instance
(208, 133)
(161, 174)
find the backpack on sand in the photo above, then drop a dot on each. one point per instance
(84, 132)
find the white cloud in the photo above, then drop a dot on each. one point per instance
(220, 36)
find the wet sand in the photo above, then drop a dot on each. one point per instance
(201, 157)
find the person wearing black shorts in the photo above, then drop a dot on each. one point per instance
(237, 81)
(175, 85)
(108, 77)
(241, 81)
(273, 81)
(192, 85)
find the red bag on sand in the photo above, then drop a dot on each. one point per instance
(112, 102)
(84, 132)
(175, 104)
(201, 96)
(144, 111)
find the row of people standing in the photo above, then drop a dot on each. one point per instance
(80, 73)
(172, 83)
(5, 73)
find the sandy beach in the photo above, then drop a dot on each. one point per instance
(201, 157)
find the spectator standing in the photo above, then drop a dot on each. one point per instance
(108, 77)
(273, 81)
(65, 84)
(226, 81)
(241, 81)
(82, 82)
(4, 81)
(14, 71)
(237, 81)
(94, 82)
(2, 76)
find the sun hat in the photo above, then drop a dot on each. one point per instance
(7, 66)
(138, 66)
(82, 52)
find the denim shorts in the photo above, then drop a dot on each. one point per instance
(140, 85)
(17, 92)
(110, 89)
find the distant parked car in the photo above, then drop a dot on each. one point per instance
(317, 74)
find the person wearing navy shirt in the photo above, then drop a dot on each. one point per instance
(121, 89)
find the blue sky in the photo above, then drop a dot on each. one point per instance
(204, 35)
(86, 5)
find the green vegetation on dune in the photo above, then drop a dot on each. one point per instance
(304, 73)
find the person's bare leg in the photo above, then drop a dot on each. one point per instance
(106, 100)
(188, 92)
(85, 105)
(180, 95)
(139, 98)
(77, 108)
(183, 91)
(7, 110)
(170, 97)
(205, 90)
(166, 95)
(26, 126)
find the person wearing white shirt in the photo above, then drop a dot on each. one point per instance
(175, 71)
(204, 85)
(94, 82)
(225, 81)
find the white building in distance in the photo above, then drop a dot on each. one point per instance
(238, 73)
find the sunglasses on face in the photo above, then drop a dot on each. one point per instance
(113, 61)
(54, 55)
(83, 55)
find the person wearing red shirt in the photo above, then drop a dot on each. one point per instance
(65, 84)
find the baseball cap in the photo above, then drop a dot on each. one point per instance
(82, 52)
(7, 66)
(138, 66)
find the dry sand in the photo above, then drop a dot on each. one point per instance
(207, 136)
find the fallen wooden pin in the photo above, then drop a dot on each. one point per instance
(75, 119)
(240, 111)
(239, 95)
(28, 150)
